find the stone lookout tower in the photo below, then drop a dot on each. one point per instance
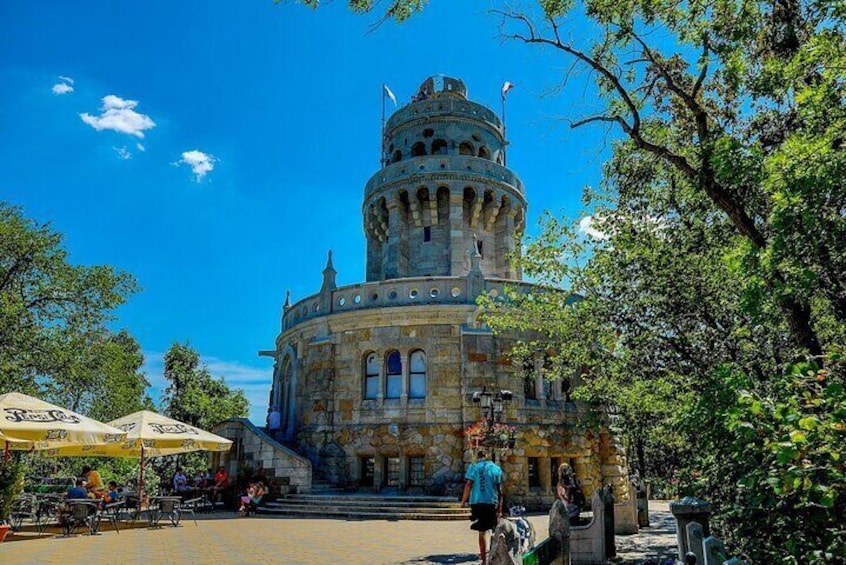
(375, 381)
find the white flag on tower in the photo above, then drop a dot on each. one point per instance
(506, 87)
(389, 94)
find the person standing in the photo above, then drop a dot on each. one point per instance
(483, 487)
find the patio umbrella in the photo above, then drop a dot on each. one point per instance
(28, 422)
(148, 435)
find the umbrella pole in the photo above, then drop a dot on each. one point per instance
(6, 452)
(141, 480)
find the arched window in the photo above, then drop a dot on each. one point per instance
(439, 147)
(397, 156)
(371, 376)
(466, 148)
(393, 375)
(530, 389)
(417, 375)
(418, 149)
(484, 153)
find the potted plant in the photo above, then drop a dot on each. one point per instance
(11, 484)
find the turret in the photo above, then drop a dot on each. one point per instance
(442, 185)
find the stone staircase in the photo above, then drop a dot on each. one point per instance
(367, 507)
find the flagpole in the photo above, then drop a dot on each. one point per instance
(382, 130)
(504, 141)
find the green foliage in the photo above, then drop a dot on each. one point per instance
(52, 313)
(11, 484)
(195, 397)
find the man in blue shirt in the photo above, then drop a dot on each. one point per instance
(78, 491)
(484, 489)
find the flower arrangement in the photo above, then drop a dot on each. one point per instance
(491, 434)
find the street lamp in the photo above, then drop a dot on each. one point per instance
(493, 404)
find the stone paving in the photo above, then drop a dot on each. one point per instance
(221, 539)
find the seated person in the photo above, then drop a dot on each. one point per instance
(78, 490)
(569, 491)
(93, 482)
(255, 494)
(221, 482)
(180, 482)
(112, 495)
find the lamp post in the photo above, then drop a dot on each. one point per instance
(492, 405)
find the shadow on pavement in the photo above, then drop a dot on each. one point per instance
(442, 559)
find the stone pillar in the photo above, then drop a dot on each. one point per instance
(642, 505)
(715, 553)
(457, 249)
(685, 511)
(695, 537)
(391, 257)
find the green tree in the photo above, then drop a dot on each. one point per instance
(193, 395)
(51, 312)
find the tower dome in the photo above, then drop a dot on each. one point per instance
(442, 187)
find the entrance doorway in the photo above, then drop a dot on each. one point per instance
(366, 472)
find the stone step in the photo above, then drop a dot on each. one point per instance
(352, 514)
(387, 499)
(362, 503)
(330, 508)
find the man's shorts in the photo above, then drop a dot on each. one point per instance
(483, 517)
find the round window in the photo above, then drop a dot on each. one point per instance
(357, 299)
(455, 291)
(413, 293)
(374, 296)
(342, 301)
(434, 293)
(392, 295)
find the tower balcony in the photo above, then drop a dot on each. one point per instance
(433, 168)
(446, 107)
(412, 291)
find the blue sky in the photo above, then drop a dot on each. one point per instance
(217, 150)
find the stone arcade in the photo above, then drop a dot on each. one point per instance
(374, 381)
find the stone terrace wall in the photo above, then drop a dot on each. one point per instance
(288, 472)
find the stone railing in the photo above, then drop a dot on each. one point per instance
(287, 471)
(427, 167)
(442, 105)
(696, 545)
(412, 291)
(576, 545)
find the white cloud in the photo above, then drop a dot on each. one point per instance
(140, 147)
(119, 115)
(64, 86)
(200, 163)
(254, 381)
(123, 153)
(586, 227)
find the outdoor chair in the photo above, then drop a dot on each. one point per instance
(190, 506)
(111, 512)
(82, 514)
(23, 507)
(47, 511)
(165, 507)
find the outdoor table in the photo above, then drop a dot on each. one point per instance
(164, 506)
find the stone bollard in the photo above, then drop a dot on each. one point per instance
(642, 506)
(715, 553)
(687, 510)
(695, 538)
(559, 530)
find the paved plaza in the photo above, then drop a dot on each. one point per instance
(222, 538)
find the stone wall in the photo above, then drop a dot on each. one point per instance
(287, 471)
(461, 359)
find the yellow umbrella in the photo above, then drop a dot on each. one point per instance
(148, 435)
(26, 419)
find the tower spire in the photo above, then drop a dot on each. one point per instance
(329, 275)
